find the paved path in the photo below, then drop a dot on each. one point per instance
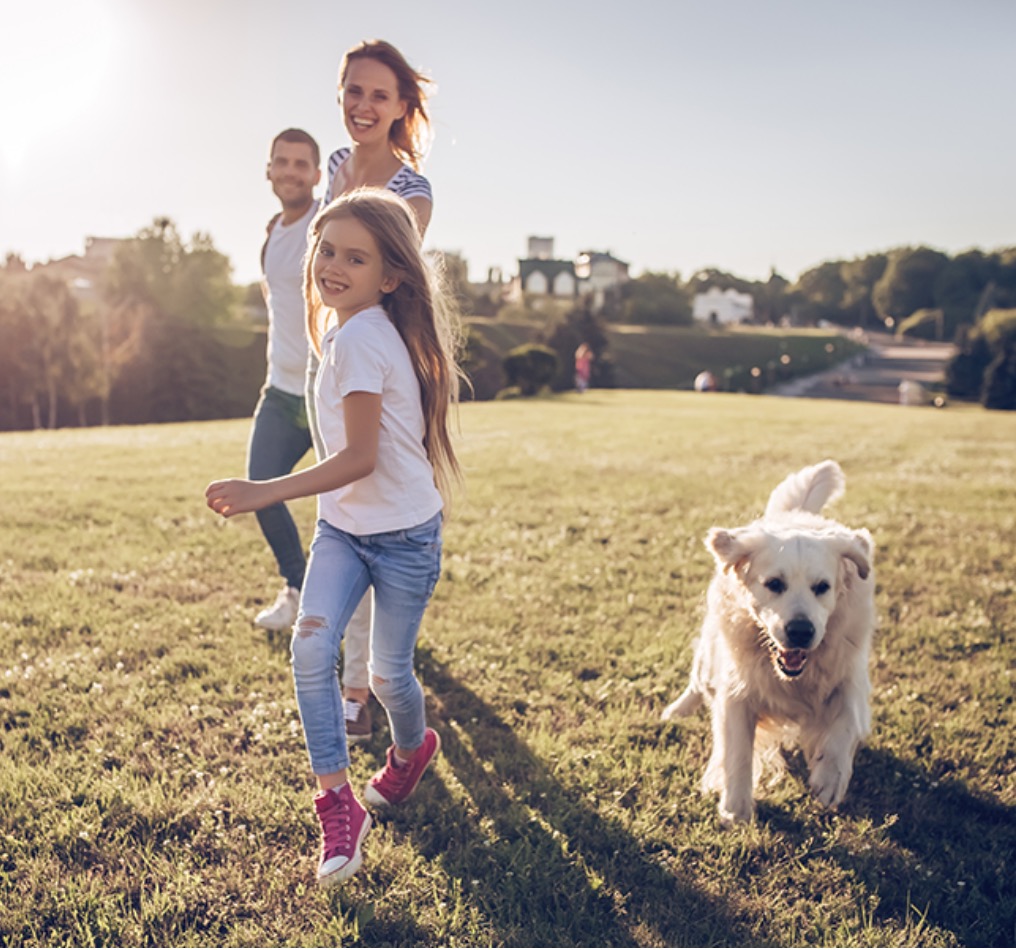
(875, 376)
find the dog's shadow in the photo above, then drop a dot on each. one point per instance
(544, 867)
(937, 851)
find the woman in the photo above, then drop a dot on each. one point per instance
(384, 109)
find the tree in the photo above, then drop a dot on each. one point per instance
(47, 343)
(482, 364)
(580, 325)
(169, 300)
(18, 344)
(959, 287)
(859, 278)
(708, 277)
(821, 293)
(656, 298)
(908, 283)
(983, 350)
(964, 375)
(1000, 379)
(772, 300)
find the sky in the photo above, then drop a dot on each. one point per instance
(675, 134)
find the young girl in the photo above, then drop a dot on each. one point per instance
(387, 380)
(384, 109)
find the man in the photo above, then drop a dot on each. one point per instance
(281, 435)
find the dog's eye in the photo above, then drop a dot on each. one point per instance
(822, 587)
(775, 585)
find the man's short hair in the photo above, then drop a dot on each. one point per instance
(298, 135)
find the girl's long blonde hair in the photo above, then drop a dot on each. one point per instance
(420, 309)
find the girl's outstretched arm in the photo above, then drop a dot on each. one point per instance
(362, 411)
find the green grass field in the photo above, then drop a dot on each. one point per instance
(153, 783)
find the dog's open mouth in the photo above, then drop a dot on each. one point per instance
(789, 662)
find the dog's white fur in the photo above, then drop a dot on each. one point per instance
(783, 653)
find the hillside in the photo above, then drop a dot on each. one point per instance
(651, 357)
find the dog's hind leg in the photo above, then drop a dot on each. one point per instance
(685, 704)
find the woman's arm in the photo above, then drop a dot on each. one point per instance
(362, 411)
(422, 207)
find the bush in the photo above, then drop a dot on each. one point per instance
(530, 367)
(1000, 380)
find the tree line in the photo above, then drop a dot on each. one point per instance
(160, 336)
(165, 336)
(916, 290)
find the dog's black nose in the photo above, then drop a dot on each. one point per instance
(800, 632)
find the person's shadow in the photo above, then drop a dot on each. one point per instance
(546, 869)
(935, 853)
(949, 854)
(543, 866)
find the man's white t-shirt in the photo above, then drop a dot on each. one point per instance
(368, 355)
(287, 322)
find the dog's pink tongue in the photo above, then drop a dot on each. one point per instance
(794, 659)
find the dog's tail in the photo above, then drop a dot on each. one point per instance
(810, 489)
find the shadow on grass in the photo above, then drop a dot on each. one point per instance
(544, 867)
(960, 848)
(943, 854)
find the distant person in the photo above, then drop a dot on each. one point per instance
(280, 435)
(583, 366)
(386, 383)
(384, 109)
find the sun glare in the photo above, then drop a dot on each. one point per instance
(56, 56)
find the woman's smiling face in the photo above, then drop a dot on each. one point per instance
(370, 100)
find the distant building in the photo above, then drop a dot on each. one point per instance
(83, 274)
(543, 275)
(723, 307)
(598, 274)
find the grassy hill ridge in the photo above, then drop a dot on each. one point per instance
(647, 357)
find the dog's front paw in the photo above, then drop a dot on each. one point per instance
(736, 809)
(829, 780)
(684, 705)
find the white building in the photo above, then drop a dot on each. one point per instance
(723, 306)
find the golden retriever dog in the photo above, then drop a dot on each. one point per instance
(783, 651)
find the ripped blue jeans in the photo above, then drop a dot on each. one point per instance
(403, 568)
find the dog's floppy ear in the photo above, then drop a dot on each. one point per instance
(858, 547)
(730, 547)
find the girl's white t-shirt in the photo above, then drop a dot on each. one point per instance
(367, 354)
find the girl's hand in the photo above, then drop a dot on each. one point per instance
(235, 496)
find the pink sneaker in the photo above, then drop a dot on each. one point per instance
(344, 825)
(395, 783)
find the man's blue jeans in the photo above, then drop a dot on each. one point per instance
(403, 568)
(279, 438)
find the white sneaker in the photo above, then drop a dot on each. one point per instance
(282, 614)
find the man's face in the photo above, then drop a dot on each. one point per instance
(293, 173)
